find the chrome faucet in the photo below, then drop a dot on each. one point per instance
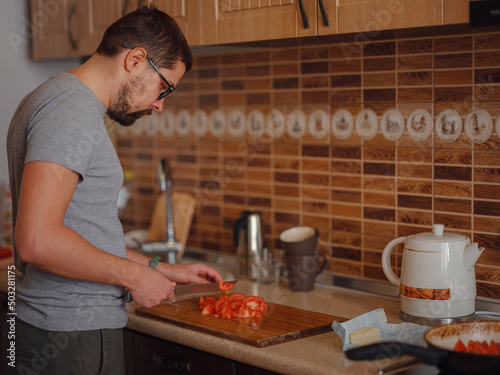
(170, 247)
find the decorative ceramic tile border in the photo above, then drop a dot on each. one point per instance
(419, 124)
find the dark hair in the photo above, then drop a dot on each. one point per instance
(153, 30)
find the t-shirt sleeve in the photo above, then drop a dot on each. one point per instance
(63, 132)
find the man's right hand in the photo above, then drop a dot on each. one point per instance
(150, 287)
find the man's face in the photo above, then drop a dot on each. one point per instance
(139, 96)
(120, 110)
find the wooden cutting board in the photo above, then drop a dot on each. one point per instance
(184, 204)
(282, 323)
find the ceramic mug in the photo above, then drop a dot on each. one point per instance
(300, 240)
(302, 271)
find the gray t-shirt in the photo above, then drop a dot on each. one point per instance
(62, 122)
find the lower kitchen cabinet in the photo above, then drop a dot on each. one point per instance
(146, 355)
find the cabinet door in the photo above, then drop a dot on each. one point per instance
(153, 356)
(58, 28)
(101, 15)
(456, 11)
(196, 18)
(327, 17)
(374, 15)
(131, 5)
(252, 20)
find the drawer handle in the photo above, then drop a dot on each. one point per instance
(305, 19)
(324, 16)
(160, 360)
(72, 11)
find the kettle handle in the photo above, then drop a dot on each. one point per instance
(239, 224)
(386, 260)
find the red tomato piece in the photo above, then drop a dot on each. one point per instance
(235, 305)
(252, 302)
(224, 287)
(238, 296)
(460, 346)
(207, 310)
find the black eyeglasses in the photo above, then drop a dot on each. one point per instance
(170, 87)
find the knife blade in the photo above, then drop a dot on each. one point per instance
(190, 289)
(199, 288)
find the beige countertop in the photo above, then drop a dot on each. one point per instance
(320, 354)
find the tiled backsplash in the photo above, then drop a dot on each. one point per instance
(359, 193)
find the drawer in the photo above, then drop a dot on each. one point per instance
(155, 356)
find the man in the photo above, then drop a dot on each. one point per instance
(65, 177)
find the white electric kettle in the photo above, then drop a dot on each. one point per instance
(438, 279)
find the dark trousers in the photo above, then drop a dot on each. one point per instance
(37, 352)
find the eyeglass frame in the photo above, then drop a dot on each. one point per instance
(170, 87)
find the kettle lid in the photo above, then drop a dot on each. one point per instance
(438, 235)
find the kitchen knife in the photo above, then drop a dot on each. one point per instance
(190, 289)
(199, 288)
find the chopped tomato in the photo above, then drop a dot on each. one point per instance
(207, 310)
(206, 301)
(478, 347)
(235, 305)
(460, 346)
(224, 287)
(238, 296)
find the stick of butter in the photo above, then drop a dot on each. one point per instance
(365, 336)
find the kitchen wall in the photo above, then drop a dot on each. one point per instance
(18, 74)
(359, 192)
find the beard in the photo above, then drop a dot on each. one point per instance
(119, 111)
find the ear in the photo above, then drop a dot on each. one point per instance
(134, 58)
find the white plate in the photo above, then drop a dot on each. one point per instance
(367, 124)
(236, 123)
(419, 124)
(217, 123)
(342, 124)
(256, 123)
(319, 124)
(478, 125)
(296, 124)
(448, 125)
(166, 123)
(183, 123)
(275, 123)
(392, 124)
(200, 123)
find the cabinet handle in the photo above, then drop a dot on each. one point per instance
(72, 11)
(324, 16)
(160, 360)
(305, 19)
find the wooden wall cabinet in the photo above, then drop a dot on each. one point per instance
(254, 20)
(196, 18)
(374, 15)
(75, 27)
(72, 28)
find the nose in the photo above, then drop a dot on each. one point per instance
(158, 105)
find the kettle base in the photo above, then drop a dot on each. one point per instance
(431, 322)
